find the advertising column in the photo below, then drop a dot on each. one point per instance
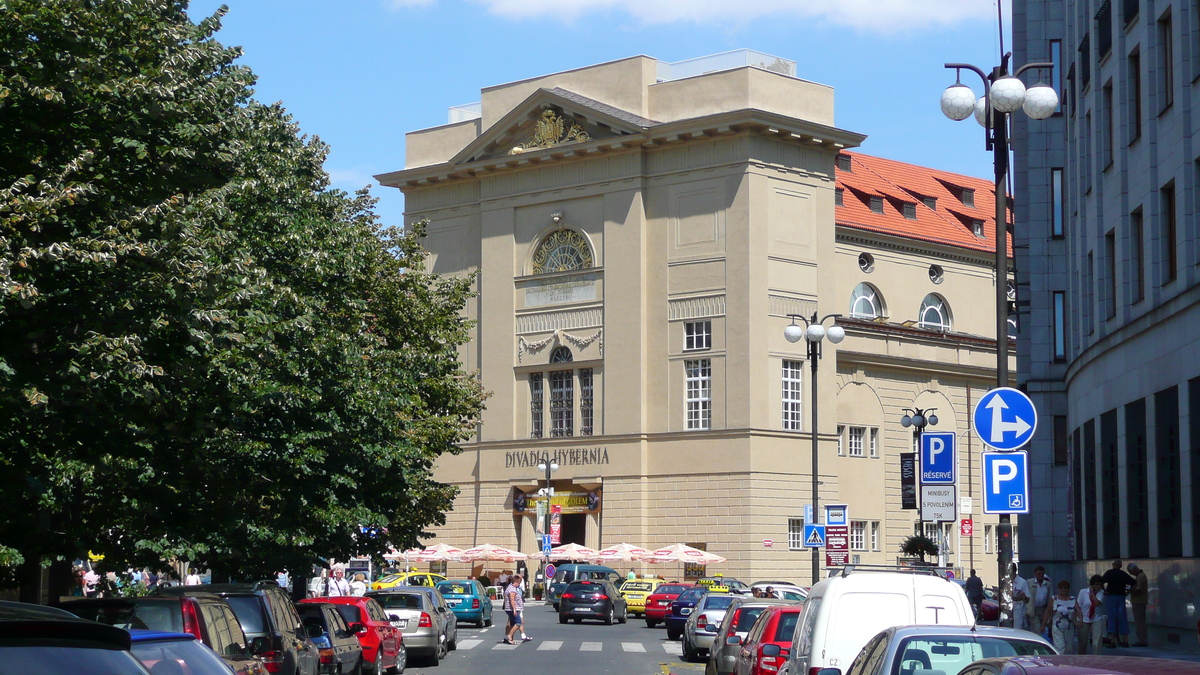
(556, 524)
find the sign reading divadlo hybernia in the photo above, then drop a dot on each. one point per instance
(564, 456)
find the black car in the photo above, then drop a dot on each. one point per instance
(265, 610)
(48, 641)
(336, 644)
(596, 599)
(681, 609)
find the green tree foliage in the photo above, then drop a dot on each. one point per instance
(920, 546)
(205, 353)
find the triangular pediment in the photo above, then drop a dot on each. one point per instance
(551, 118)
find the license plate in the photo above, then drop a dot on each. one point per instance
(400, 623)
(452, 603)
(582, 609)
(685, 610)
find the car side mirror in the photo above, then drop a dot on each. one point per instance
(357, 628)
(771, 650)
(733, 640)
(260, 644)
(314, 631)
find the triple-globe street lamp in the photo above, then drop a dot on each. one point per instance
(1003, 94)
(918, 419)
(814, 331)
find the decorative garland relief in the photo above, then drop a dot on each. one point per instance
(559, 336)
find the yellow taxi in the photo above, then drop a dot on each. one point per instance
(635, 592)
(407, 579)
(722, 584)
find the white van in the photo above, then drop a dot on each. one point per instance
(843, 612)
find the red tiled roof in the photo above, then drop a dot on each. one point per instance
(949, 223)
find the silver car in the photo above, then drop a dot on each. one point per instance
(703, 623)
(421, 623)
(739, 619)
(941, 649)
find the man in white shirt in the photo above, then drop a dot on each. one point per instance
(1020, 596)
(1040, 594)
(336, 584)
(192, 579)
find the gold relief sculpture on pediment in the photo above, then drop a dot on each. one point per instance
(551, 130)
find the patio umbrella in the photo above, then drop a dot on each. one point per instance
(621, 553)
(682, 553)
(490, 552)
(572, 552)
(438, 553)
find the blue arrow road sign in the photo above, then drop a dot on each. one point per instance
(1005, 482)
(1005, 418)
(939, 458)
(545, 549)
(546, 541)
(814, 535)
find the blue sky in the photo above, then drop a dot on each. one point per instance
(361, 73)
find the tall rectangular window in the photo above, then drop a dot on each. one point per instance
(1104, 30)
(1056, 72)
(536, 406)
(795, 534)
(858, 535)
(1194, 452)
(1166, 460)
(1166, 63)
(1110, 498)
(699, 393)
(1110, 273)
(856, 441)
(1077, 494)
(792, 414)
(987, 538)
(1135, 96)
(1085, 62)
(841, 433)
(838, 197)
(1110, 124)
(968, 197)
(1129, 8)
(1089, 490)
(562, 403)
(1071, 93)
(1060, 326)
(586, 405)
(1137, 255)
(1057, 206)
(1062, 441)
(874, 535)
(874, 442)
(697, 335)
(1168, 234)
(1137, 509)
(1089, 304)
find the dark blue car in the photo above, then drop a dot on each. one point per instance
(680, 609)
(164, 653)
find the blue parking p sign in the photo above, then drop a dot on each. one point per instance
(1005, 482)
(939, 457)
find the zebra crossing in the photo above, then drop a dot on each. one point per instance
(672, 648)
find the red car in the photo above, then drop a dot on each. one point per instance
(658, 603)
(1066, 664)
(766, 646)
(382, 644)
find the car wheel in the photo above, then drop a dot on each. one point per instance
(487, 621)
(689, 654)
(562, 618)
(377, 666)
(578, 619)
(401, 661)
(358, 667)
(624, 617)
(711, 668)
(673, 633)
(608, 618)
(436, 659)
(651, 623)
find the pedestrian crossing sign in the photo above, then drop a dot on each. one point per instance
(814, 535)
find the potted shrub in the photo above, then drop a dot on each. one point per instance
(491, 591)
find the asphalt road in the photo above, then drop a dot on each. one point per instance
(590, 648)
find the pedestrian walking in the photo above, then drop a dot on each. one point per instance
(1117, 583)
(335, 583)
(1040, 595)
(514, 605)
(1020, 596)
(974, 589)
(1091, 610)
(1062, 616)
(1139, 595)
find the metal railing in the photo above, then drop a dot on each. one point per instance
(462, 113)
(738, 58)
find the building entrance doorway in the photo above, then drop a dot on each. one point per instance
(574, 528)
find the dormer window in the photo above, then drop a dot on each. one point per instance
(977, 227)
(931, 202)
(910, 210)
(968, 197)
(876, 204)
(843, 163)
(837, 197)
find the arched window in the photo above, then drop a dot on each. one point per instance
(561, 355)
(935, 313)
(865, 302)
(562, 251)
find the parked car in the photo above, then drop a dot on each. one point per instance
(721, 583)
(407, 579)
(50, 641)
(414, 614)
(635, 592)
(989, 609)
(337, 645)
(658, 604)
(739, 619)
(595, 599)
(1080, 665)
(843, 612)
(449, 618)
(569, 572)
(945, 649)
(468, 600)
(264, 610)
(681, 608)
(702, 624)
(205, 616)
(764, 649)
(383, 645)
(164, 653)
(782, 590)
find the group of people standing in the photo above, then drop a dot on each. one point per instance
(335, 583)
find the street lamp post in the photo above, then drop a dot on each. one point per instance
(814, 331)
(918, 419)
(548, 466)
(1003, 94)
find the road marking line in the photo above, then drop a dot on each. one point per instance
(469, 644)
(633, 647)
(503, 647)
(550, 646)
(591, 646)
(673, 648)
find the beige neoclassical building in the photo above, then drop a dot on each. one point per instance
(641, 231)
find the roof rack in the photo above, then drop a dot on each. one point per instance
(904, 569)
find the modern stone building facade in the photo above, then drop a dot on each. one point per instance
(641, 232)
(1107, 257)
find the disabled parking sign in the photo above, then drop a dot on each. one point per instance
(1005, 482)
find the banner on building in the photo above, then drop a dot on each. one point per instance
(526, 504)
(556, 512)
(908, 480)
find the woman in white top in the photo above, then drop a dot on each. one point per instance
(1062, 613)
(1091, 609)
(359, 585)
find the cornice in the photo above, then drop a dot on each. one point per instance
(850, 234)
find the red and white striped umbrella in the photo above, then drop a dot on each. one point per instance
(401, 555)
(572, 552)
(621, 553)
(438, 553)
(491, 552)
(684, 554)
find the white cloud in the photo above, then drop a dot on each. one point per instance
(879, 16)
(349, 179)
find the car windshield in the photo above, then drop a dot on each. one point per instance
(178, 657)
(718, 601)
(249, 611)
(670, 589)
(163, 615)
(585, 587)
(950, 654)
(691, 594)
(792, 595)
(746, 617)
(785, 628)
(637, 586)
(50, 659)
(454, 588)
(397, 601)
